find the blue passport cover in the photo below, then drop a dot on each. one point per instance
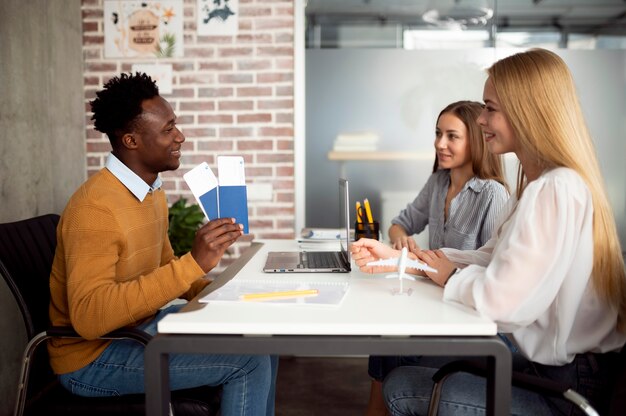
(227, 201)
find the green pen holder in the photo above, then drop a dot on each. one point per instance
(366, 230)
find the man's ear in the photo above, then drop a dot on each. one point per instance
(128, 141)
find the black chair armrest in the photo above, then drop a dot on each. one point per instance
(123, 333)
(528, 382)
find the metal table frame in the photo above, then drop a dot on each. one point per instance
(157, 356)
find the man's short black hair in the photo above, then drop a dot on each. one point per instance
(118, 104)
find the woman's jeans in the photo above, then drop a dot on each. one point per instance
(248, 381)
(407, 389)
(379, 366)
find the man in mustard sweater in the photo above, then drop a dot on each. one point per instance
(114, 265)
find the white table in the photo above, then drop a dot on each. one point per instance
(369, 321)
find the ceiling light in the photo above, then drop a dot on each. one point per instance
(458, 14)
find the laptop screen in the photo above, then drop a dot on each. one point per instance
(344, 218)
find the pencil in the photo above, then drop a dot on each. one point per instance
(278, 295)
(368, 210)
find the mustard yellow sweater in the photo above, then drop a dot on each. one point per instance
(113, 267)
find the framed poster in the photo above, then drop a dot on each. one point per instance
(143, 28)
(217, 17)
(160, 73)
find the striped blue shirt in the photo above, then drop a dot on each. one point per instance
(472, 217)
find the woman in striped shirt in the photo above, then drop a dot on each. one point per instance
(467, 190)
(459, 203)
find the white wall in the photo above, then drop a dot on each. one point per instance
(399, 93)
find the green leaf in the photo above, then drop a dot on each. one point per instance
(184, 221)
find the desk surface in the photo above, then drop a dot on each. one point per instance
(369, 308)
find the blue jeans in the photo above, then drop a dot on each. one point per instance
(407, 390)
(249, 381)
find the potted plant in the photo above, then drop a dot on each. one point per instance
(184, 222)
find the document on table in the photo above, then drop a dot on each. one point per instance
(279, 292)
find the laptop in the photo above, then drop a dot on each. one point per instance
(318, 261)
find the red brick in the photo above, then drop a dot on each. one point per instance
(285, 197)
(213, 40)
(215, 92)
(285, 63)
(275, 131)
(90, 27)
(284, 90)
(235, 105)
(93, 40)
(196, 106)
(235, 132)
(199, 132)
(216, 66)
(274, 77)
(275, 104)
(275, 51)
(255, 145)
(215, 119)
(256, 172)
(284, 171)
(184, 119)
(198, 78)
(283, 38)
(95, 13)
(284, 144)
(181, 66)
(250, 65)
(275, 158)
(284, 184)
(229, 52)
(245, 25)
(91, 54)
(284, 118)
(100, 67)
(199, 52)
(97, 147)
(265, 24)
(181, 92)
(235, 78)
(216, 145)
(249, 11)
(254, 118)
(254, 92)
(259, 224)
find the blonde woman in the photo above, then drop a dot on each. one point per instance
(553, 273)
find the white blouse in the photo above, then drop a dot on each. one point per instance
(533, 277)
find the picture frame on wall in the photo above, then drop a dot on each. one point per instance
(217, 17)
(148, 29)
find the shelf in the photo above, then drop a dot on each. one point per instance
(380, 156)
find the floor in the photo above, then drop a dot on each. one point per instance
(312, 386)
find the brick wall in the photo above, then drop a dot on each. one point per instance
(232, 95)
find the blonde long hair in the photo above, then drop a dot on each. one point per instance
(538, 96)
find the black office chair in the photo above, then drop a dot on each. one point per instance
(26, 253)
(616, 397)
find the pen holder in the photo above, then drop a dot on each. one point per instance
(366, 230)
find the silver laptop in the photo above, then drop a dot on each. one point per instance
(318, 261)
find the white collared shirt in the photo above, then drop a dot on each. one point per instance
(533, 278)
(130, 179)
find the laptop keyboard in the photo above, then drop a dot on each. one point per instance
(322, 259)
